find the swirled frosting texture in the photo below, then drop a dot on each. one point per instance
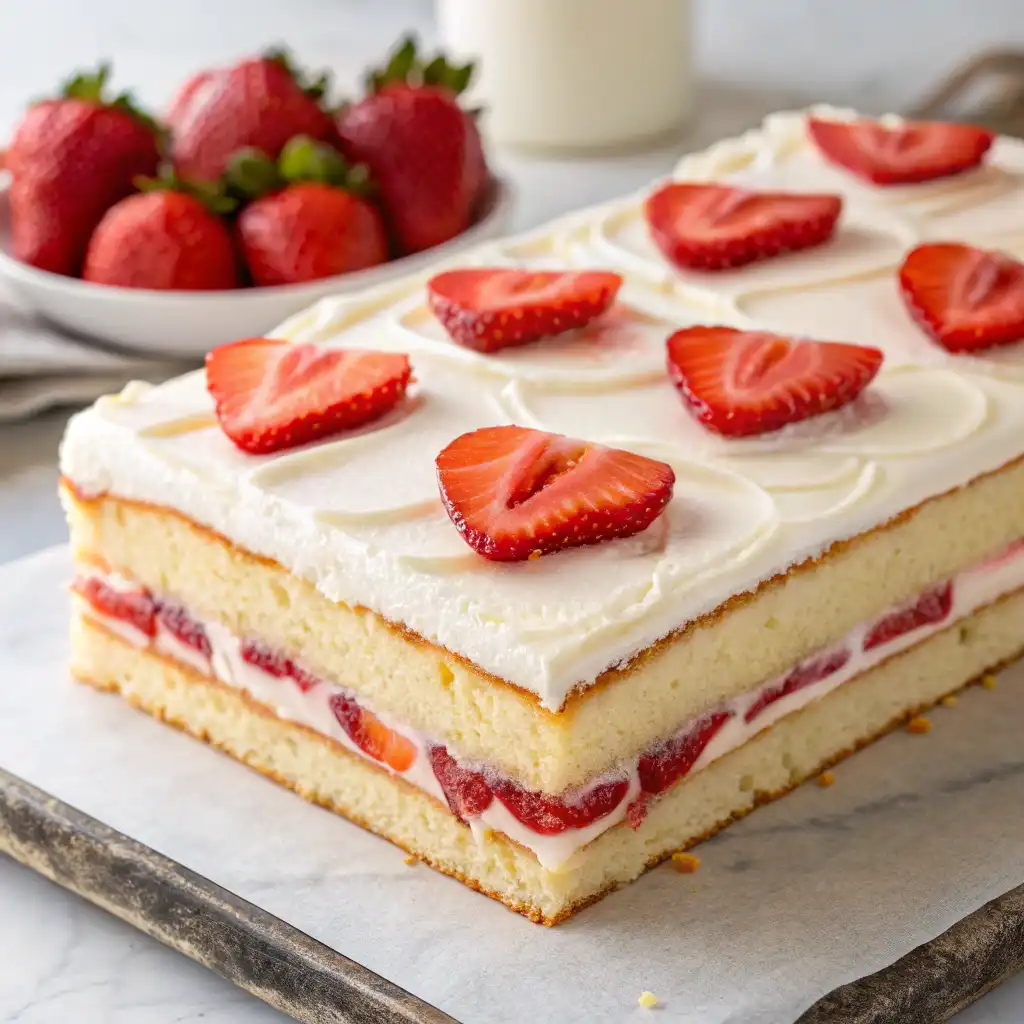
(360, 516)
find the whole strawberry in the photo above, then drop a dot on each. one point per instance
(169, 237)
(423, 150)
(260, 103)
(311, 218)
(71, 159)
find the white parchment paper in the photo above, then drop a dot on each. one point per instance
(810, 892)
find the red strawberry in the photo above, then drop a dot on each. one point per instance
(669, 761)
(751, 382)
(180, 624)
(967, 299)
(259, 103)
(165, 239)
(136, 607)
(271, 395)
(515, 493)
(550, 815)
(72, 158)
(814, 671)
(371, 735)
(190, 92)
(423, 149)
(900, 154)
(276, 664)
(714, 227)
(488, 309)
(309, 217)
(931, 607)
(466, 791)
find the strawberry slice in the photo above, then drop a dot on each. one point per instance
(900, 154)
(276, 664)
(967, 299)
(751, 382)
(270, 395)
(371, 735)
(930, 608)
(806, 674)
(136, 607)
(714, 227)
(515, 493)
(550, 815)
(180, 624)
(491, 308)
(668, 761)
(466, 791)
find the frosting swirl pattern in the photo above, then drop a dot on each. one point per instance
(359, 515)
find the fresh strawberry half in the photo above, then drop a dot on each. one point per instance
(714, 227)
(491, 308)
(739, 383)
(136, 607)
(515, 493)
(550, 815)
(931, 607)
(967, 299)
(271, 395)
(466, 791)
(371, 735)
(807, 674)
(900, 154)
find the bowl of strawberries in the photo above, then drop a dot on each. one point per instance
(250, 200)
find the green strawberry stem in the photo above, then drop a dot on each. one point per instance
(251, 173)
(405, 66)
(91, 88)
(315, 88)
(213, 195)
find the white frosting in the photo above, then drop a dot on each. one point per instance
(970, 591)
(359, 515)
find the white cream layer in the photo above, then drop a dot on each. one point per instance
(359, 516)
(971, 591)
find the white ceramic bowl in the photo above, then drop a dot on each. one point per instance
(189, 324)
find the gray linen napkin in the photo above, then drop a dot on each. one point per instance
(42, 367)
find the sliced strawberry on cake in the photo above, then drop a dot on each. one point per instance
(491, 308)
(515, 493)
(714, 227)
(371, 735)
(900, 154)
(739, 383)
(967, 299)
(271, 395)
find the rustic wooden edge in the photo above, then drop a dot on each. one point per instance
(313, 983)
(234, 938)
(939, 978)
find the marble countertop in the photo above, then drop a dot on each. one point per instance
(63, 960)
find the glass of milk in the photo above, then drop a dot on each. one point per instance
(569, 76)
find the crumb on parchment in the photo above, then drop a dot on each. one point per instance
(648, 1000)
(826, 779)
(411, 859)
(685, 863)
(919, 725)
(950, 700)
(988, 681)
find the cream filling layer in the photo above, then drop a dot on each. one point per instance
(735, 721)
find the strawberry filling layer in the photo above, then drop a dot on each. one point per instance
(552, 826)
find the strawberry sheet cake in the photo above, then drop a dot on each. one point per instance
(552, 562)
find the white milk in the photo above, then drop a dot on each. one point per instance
(566, 75)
